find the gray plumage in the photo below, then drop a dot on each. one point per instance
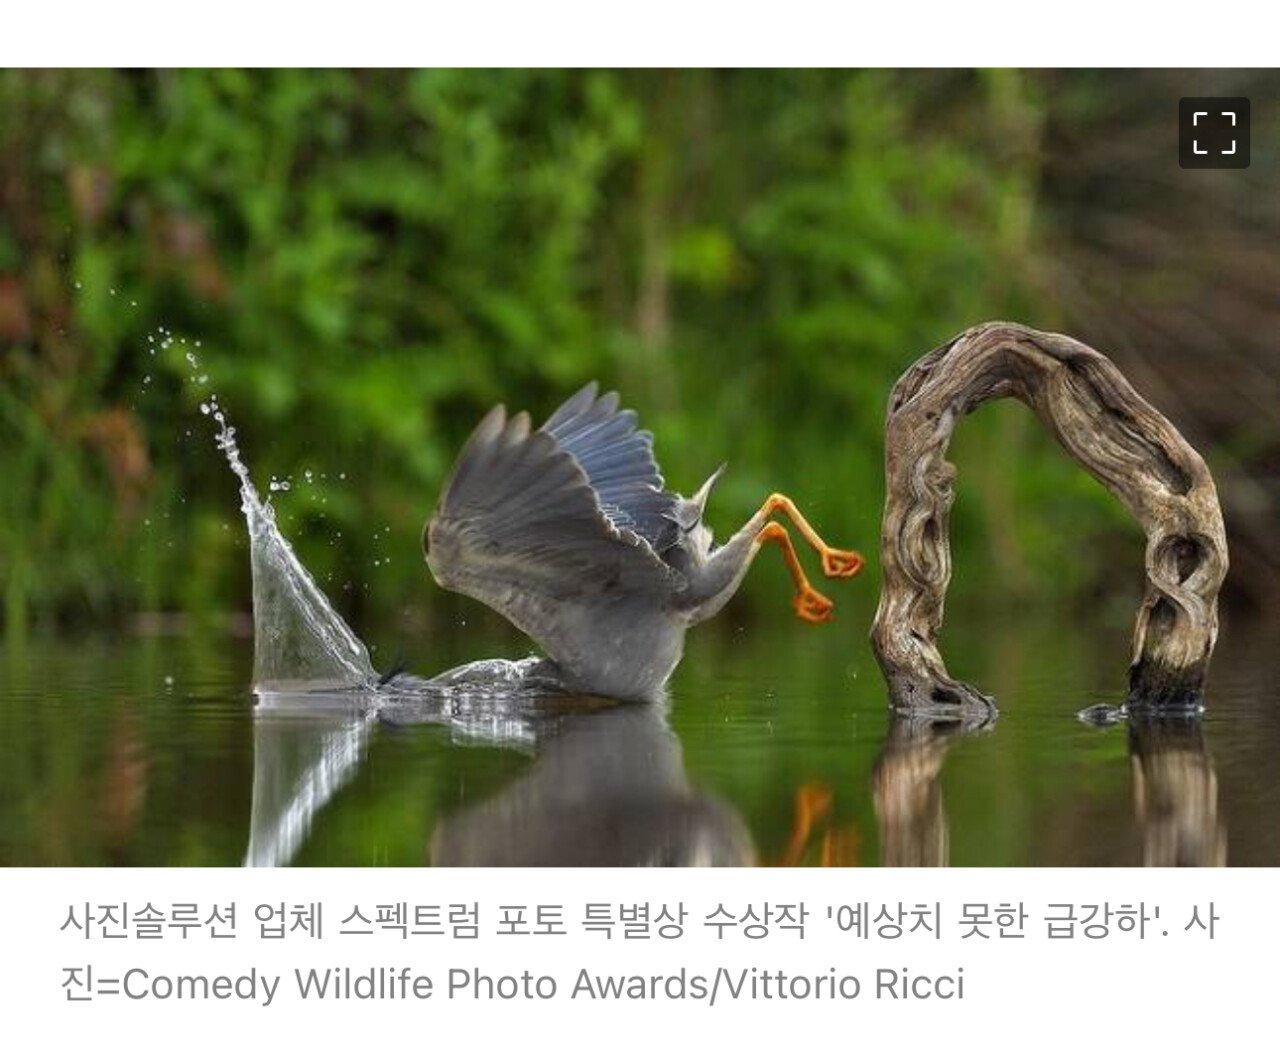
(569, 532)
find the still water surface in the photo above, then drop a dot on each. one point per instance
(774, 748)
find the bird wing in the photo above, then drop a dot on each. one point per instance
(519, 527)
(618, 461)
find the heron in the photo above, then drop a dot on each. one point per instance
(569, 532)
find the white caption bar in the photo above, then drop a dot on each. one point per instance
(143, 961)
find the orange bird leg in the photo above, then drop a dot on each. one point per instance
(835, 562)
(808, 603)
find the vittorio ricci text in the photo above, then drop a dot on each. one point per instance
(394, 983)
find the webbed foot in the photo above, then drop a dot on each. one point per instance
(813, 607)
(841, 564)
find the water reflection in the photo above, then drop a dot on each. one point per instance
(139, 752)
(606, 787)
(906, 786)
(126, 773)
(1175, 792)
(816, 839)
(305, 748)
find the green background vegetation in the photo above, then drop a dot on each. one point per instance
(369, 260)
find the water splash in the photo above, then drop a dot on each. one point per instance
(300, 642)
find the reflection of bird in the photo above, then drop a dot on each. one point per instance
(568, 532)
(607, 788)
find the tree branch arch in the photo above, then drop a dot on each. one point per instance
(1104, 425)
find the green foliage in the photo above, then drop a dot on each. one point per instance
(369, 260)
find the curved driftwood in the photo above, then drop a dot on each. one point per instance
(1093, 411)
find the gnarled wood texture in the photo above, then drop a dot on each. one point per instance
(1093, 411)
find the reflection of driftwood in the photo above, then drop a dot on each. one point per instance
(906, 789)
(1086, 403)
(1175, 793)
